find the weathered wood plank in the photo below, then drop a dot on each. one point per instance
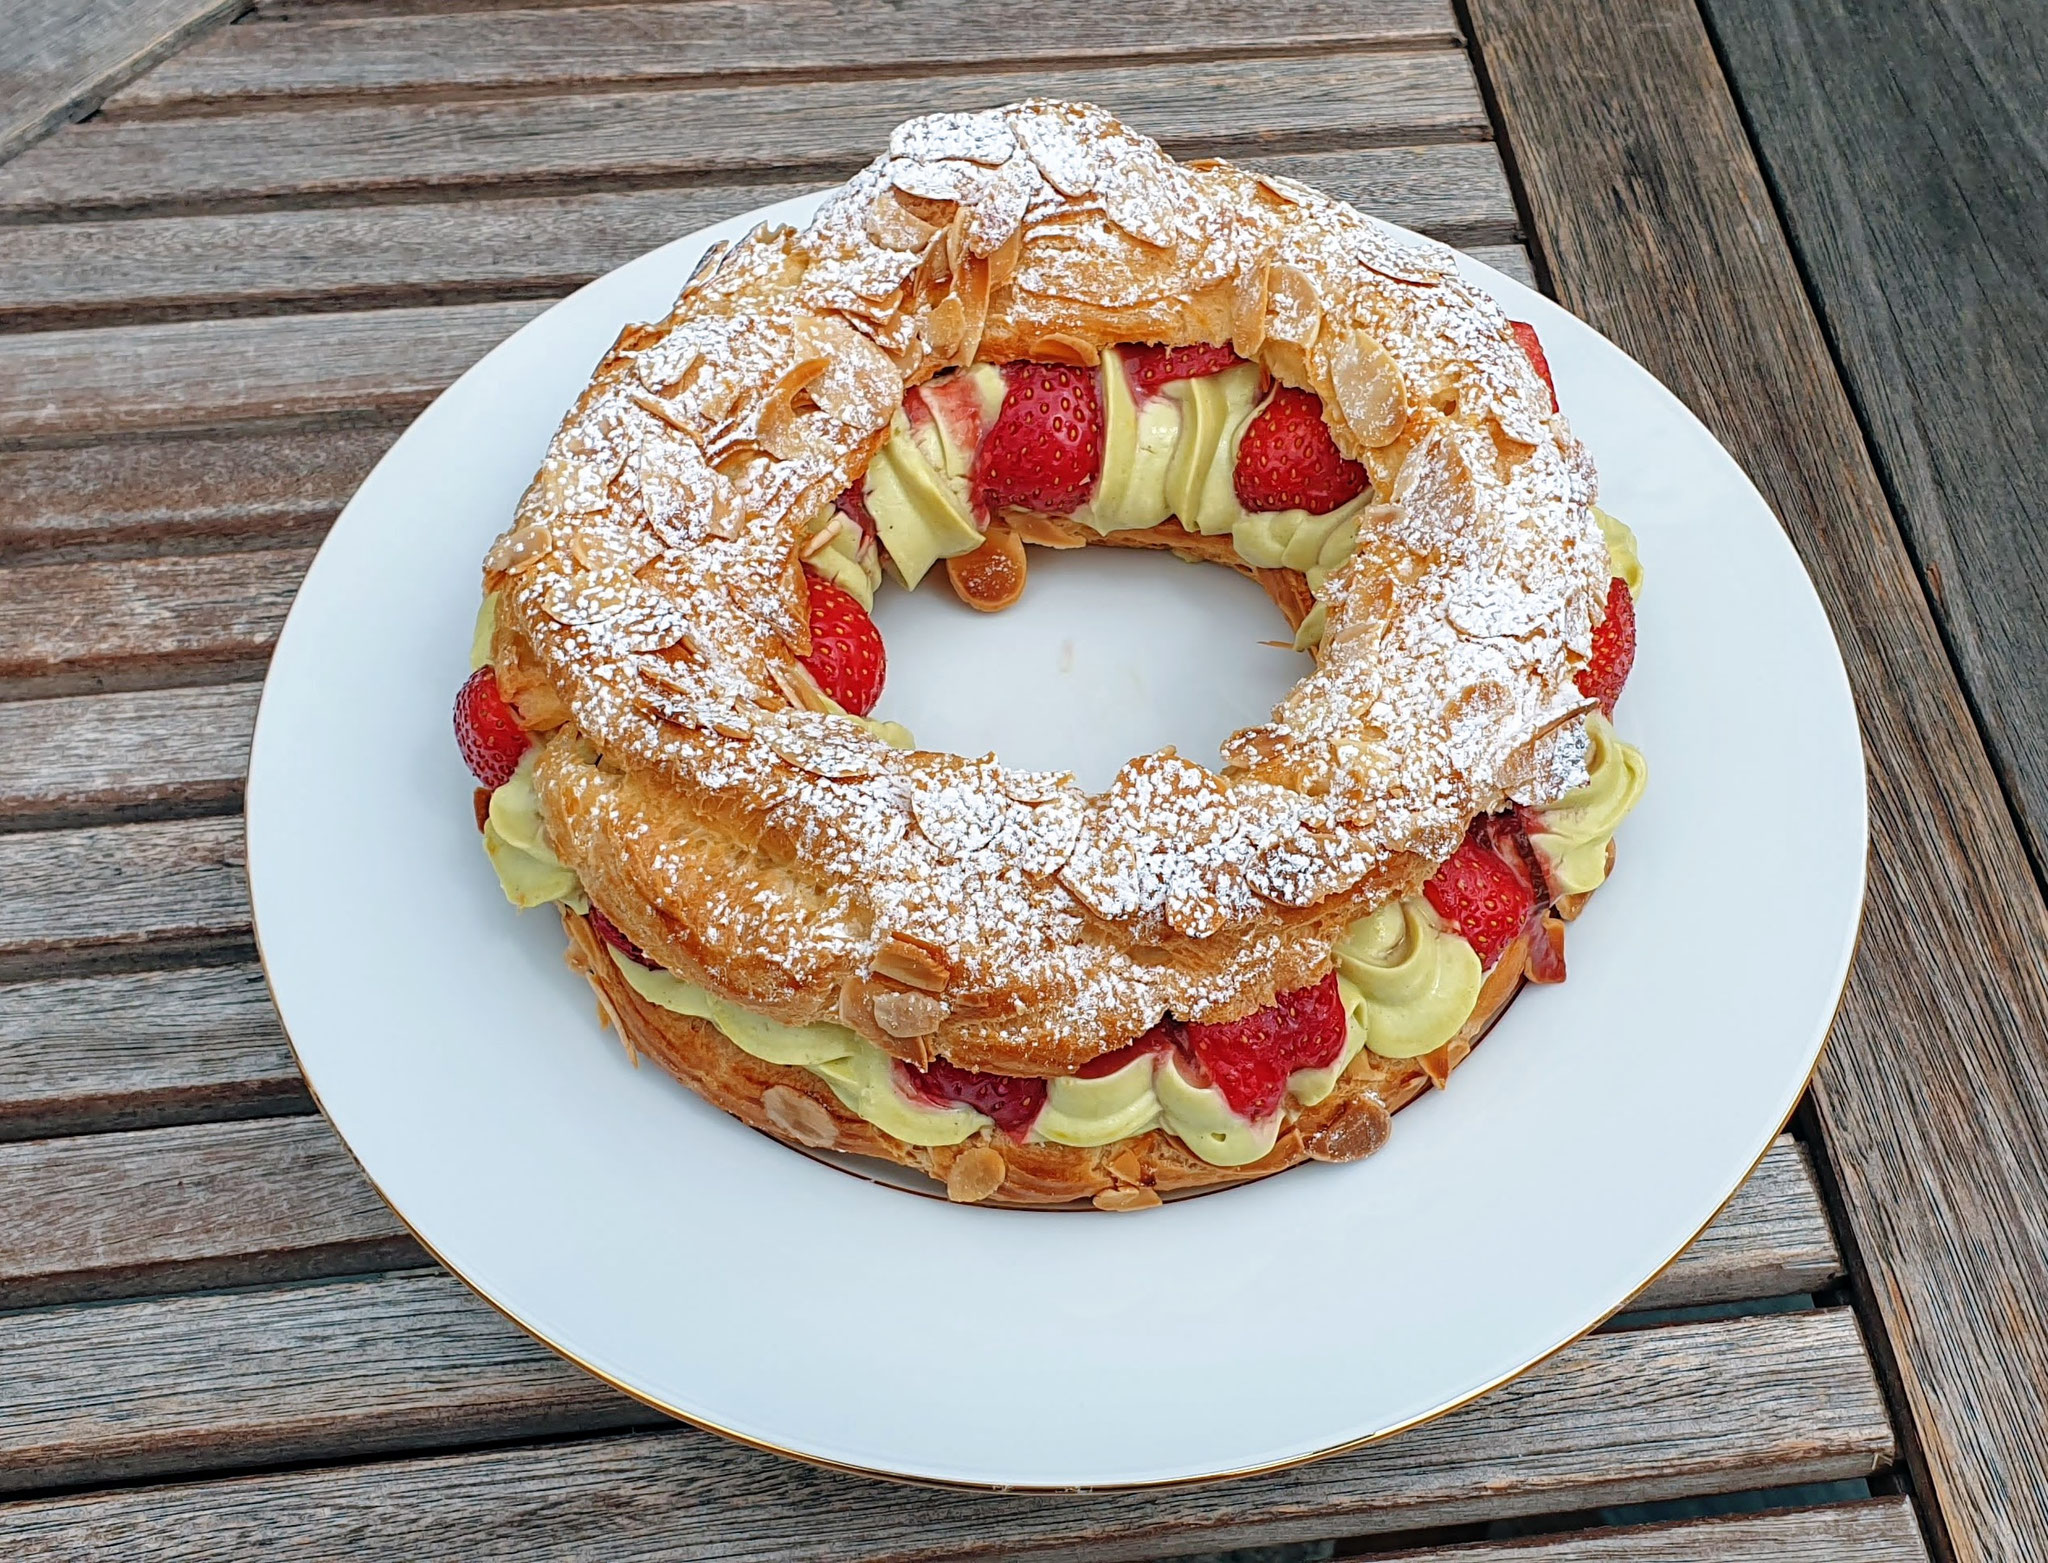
(141, 1049)
(1770, 1239)
(64, 56)
(138, 495)
(827, 128)
(427, 252)
(135, 623)
(155, 754)
(1777, 1399)
(1512, 259)
(1932, 1099)
(116, 895)
(728, 40)
(198, 1205)
(195, 374)
(1905, 147)
(1881, 1530)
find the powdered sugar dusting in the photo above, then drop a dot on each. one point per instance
(769, 850)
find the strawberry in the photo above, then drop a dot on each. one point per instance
(489, 735)
(1148, 366)
(1012, 1102)
(854, 502)
(608, 931)
(1249, 1060)
(1103, 1065)
(1044, 452)
(1526, 335)
(1287, 460)
(1614, 649)
(1480, 896)
(846, 656)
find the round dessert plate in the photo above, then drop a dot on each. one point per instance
(731, 1281)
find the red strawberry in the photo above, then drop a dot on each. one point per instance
(1526, 335)
(1249, 1060)
(1100, 1067)
(1481, 897)
(608, 931)
(489, 735)
(1149, 366)
(1614, 649)
(1012, 1102)
(1044, 452)
(1287, 460)
(855, 503)
(846, 656)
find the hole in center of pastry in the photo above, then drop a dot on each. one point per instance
(1112, 652)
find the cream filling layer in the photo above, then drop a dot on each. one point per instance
(1413, 982)
(1573, 833)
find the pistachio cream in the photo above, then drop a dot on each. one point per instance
(918, 487)
(486, 628)
(1573, 833)
(1622, 557)
(840, 558)
(1412, 981)
(516, 838)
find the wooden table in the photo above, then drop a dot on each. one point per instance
(284, 230)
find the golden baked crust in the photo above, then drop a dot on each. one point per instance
(796, 1107)
(756, 843)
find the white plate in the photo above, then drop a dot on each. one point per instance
(718, 1275)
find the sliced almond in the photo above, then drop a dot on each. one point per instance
(976, 1173)
(992, 577)
(1127, 1166)
(1060, 348)
(1355, 1131)
(520, 549)
(1045, 531)
(914, 962)
(945, 326)
(1367, 384)
(907, 1014)
(1127, 1199)
(802, 1118)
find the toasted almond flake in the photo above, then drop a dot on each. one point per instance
(915, 963)
(520, 549)
(909, 1014)
(1354, 1131)
(976, 1173)
(1127, 1198)
(800, 1117)
(1367, 383)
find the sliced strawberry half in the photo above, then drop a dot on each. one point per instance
(1157, 1040)
(1148, 366)
(1483, 899)
(486, 731)
(608, 931)
(1044, 451)
(1013, 1103)
(1249, 1060)
(1287, 460)
(1526, 335)
(1614, 649)
(846, 657)
(854, 502)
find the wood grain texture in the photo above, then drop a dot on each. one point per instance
(63, 56)
(1882, 1530)
(1771, 1239)
(727, 40)
(1933, 1096)
(827, 129)
(1782, 1398)
(121, 895)
(203, 373)
(1511, 259)
(447, 251)
(141, 1049)
(198, 1205)
(154, 754)
(143, 495)
(1906, 146)
(134, 623)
